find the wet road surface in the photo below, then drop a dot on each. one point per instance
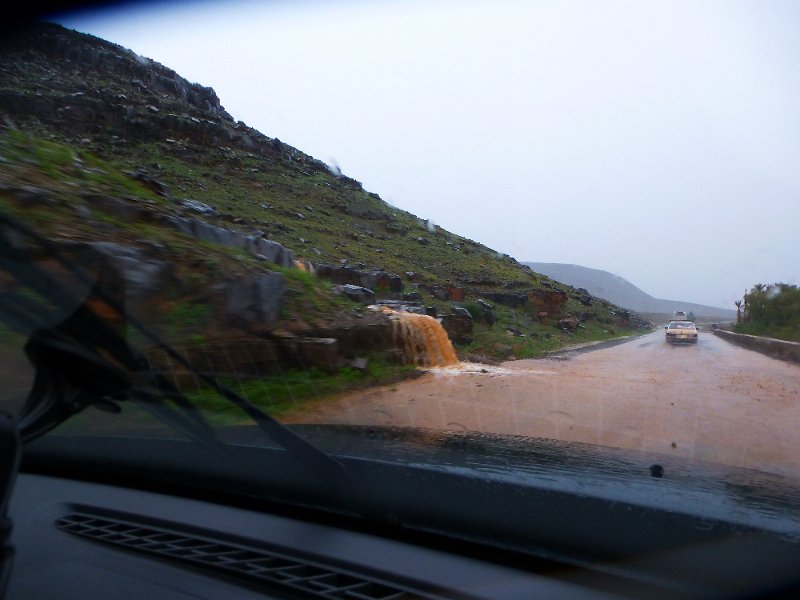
(711, 401)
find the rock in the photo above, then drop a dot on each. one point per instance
(149, 182)
(118, 207)
(218, 235)
(197, 206)
(143, 276)
(379, 281)
(298, 326)
(356, 293)
(507, 298)
(322, 353)
(439, 292)
(274, 253)
(584, 297)
(412, 297)
(83, 212)
(423, 240)
(362, 338)
(340, 275)
(549, 300)
(514, 331)
(359, 363)
(569, 323)
(455, 293)
(254, 302)
(486, 312)
(382, 282)
(458, 325)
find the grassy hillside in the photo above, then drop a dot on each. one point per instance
(89, 128)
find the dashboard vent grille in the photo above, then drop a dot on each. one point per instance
(254, 564)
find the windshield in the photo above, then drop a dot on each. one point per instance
(225, 223)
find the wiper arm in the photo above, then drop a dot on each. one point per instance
(84, 360)
(9, 465)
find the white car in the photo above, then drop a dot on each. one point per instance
(681, 331)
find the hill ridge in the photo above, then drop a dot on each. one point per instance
(622, 292)
(100, 120)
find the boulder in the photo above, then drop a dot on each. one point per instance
(262, 248)
(381, 281)
(486, 312)
(549, 300)
(439, 292)
(151, 183)
(455, 293)
(356, 293)
(584, 297)
(322, 353)
(254, 302)
(274, 253)
(360, 339)
(569, 323)
(143, 276)
(412, 297)
(458, 324)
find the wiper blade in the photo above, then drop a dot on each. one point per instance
(84, 360)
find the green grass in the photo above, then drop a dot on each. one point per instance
(789, 333)
(253, 192)
(494, 341)
(285, 393)
(185, 319)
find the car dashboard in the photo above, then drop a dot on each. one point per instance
(77, 539)
(424, 515)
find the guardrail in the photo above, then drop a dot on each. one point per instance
(769, 346)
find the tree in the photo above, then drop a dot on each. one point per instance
(772, 310)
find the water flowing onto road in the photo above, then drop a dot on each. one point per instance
(422, 338)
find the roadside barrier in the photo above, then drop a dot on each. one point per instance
(769, 346)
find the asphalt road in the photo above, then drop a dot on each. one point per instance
(712, 401)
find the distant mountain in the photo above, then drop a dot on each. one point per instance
(621, 291)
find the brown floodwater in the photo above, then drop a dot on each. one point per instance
(711, 401)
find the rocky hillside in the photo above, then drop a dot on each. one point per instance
(623, 293)
(127, 164)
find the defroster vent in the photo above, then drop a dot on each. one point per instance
(252, 564)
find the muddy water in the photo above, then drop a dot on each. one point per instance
(713, 401)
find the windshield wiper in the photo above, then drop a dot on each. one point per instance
(83, 359)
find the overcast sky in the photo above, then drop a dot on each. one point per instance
(656, 140)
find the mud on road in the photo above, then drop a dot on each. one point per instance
(711, 401)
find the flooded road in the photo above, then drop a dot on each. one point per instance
(711, 401)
